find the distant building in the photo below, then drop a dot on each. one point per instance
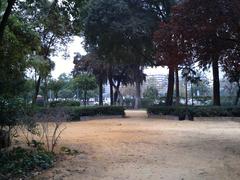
(159, 81)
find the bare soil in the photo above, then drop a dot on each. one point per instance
(141, 148)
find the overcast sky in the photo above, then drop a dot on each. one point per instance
(63, 65)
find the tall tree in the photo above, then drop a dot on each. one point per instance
(91, 63)
(170, 51)
(208, 26)
(121, 32)
(231, 66)
(56, 86)
(52, 20)
(18, 42)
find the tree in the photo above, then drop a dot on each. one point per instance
(91, 63)
(170, 52)
(85, 83)
(67, 91)
(41, 69)
(209, 30)
(151, 94)
(18, 42)
(231, 67)
(110, 31)
(52, 21)
(56, 86)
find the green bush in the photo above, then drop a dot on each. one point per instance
(74, 113)
(11, 109)
(64, 103)
(196, 111)
(77, 112)
(21, 162)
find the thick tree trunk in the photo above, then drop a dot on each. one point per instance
(5, 140)
(115, 97)
(169, 99)
(111, 93)
(37, 87)
(100, 93)
(138, 95)
(117, 92)
(5, 18)
(216, 83)
(237, 97)
(177, 87)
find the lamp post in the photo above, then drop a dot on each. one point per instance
(186, 71)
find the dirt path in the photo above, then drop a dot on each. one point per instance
(139, 148)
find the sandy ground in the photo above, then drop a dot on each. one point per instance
(139, 148)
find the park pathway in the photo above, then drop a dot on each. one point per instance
(136, 114)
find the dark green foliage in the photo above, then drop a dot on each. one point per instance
(196, 111)
(77, 112)
(160, 110)
(10, 111)
(20, 162)
(64, 103)
(74, 113)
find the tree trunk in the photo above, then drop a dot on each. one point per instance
(115, 97)
(5, 18)
(111, 84)
(45, 93)
(177, 87)
(85, 97)
(117, 92)
(138, 95)
(100, 93)
(5, 140)
(237, 97)
(111, 91)
(169, 99)
(37, 87)
(111, 95)
(216, 83)
(192, 93)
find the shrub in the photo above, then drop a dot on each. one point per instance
(12, 110)
(77, 112)
(21, 162)
(50, 126)
(64, 103)
(196, 111)
(74, 113)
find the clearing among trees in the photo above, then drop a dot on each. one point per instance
(140, 148)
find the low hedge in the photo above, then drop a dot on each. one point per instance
(196, 111)
(77, 112)
(64, 103)
(74, 113)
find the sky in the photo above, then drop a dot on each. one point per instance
(65, 65)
